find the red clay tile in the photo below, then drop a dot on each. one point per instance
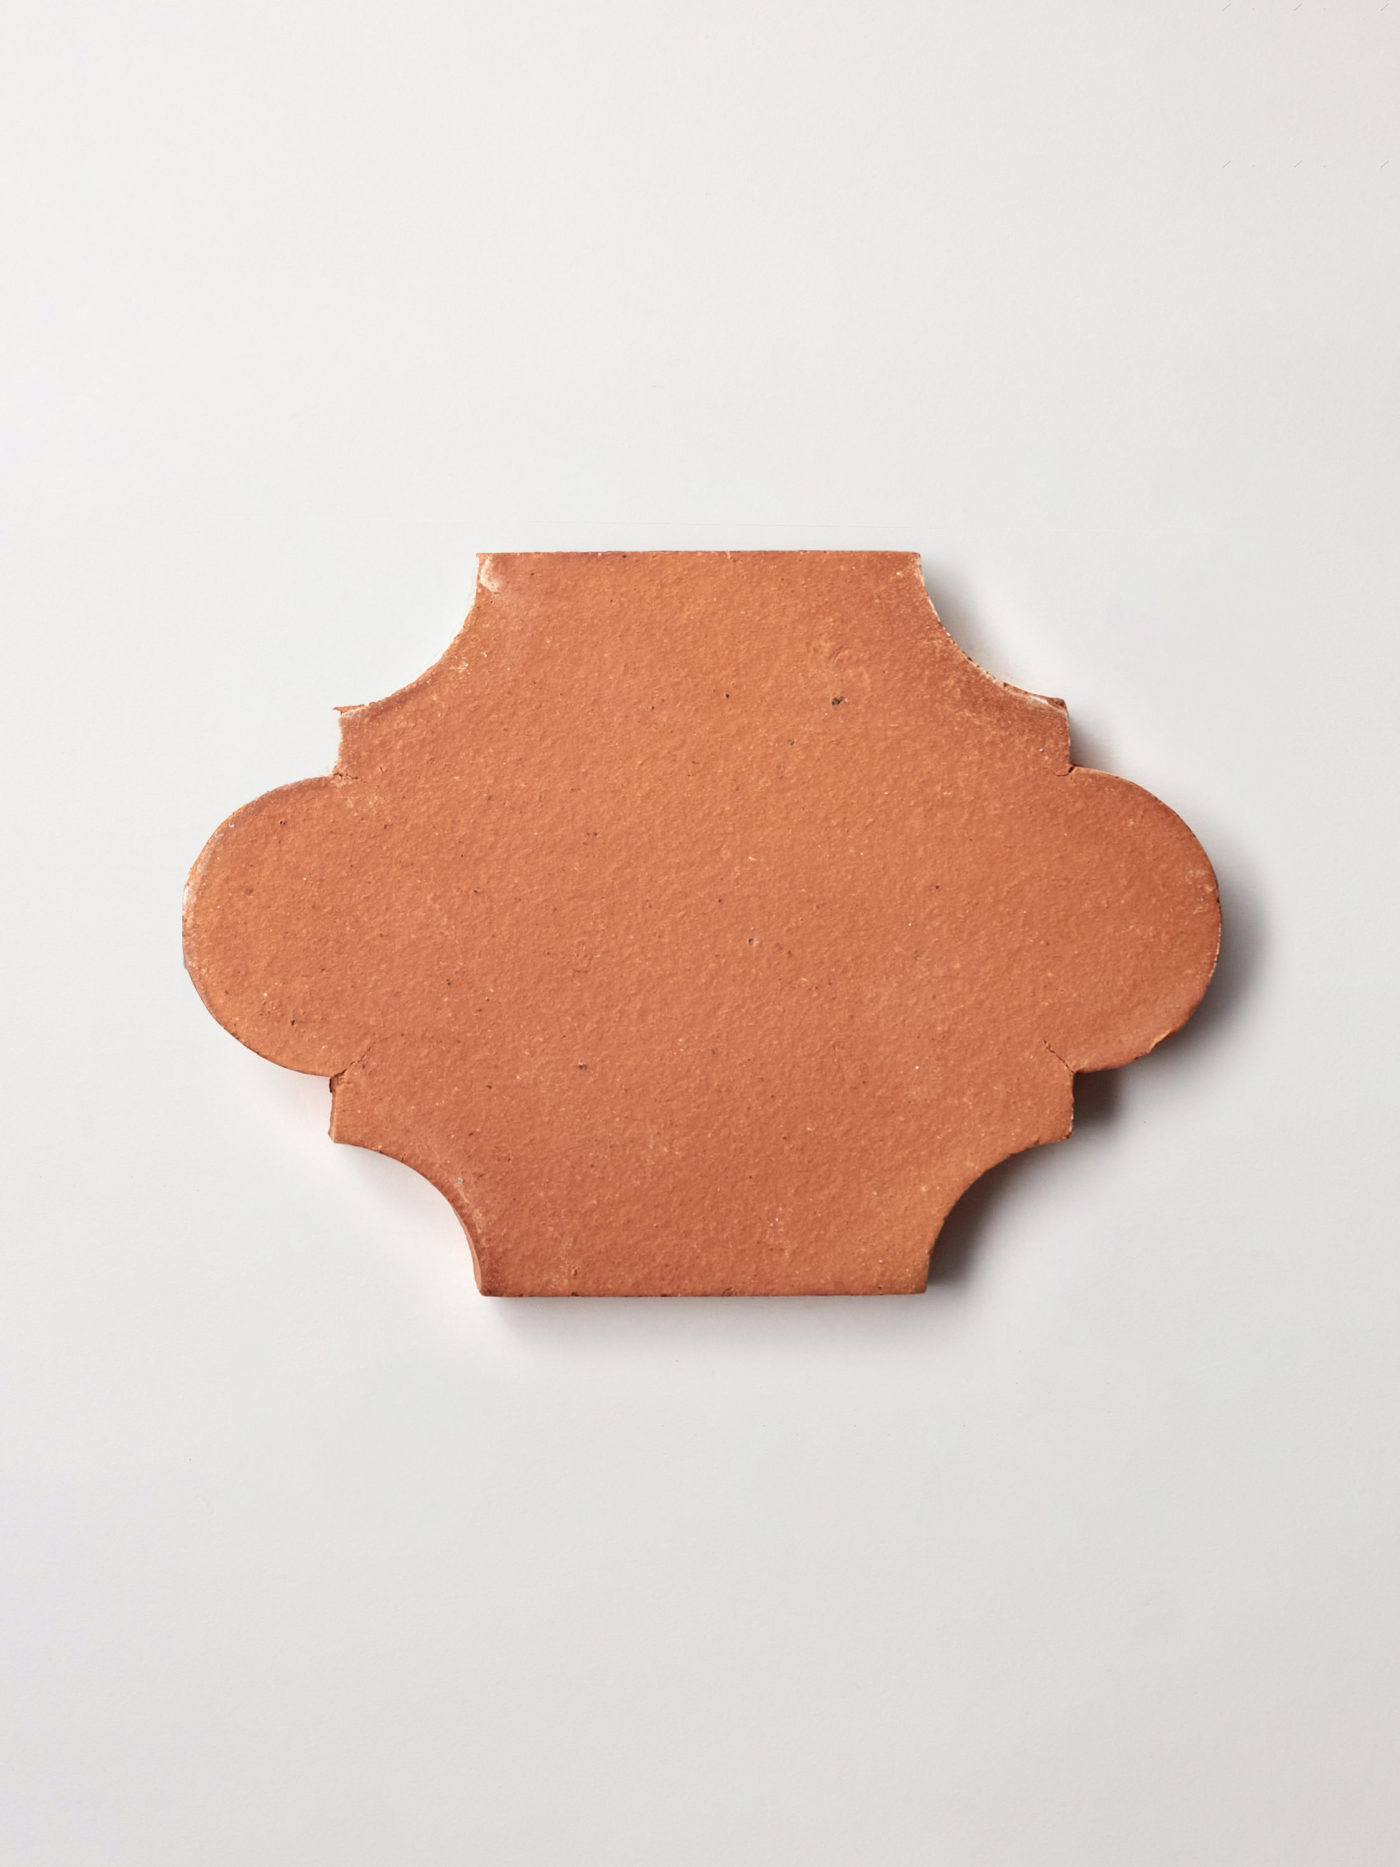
(702, 922)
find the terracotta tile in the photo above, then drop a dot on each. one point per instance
(702, 922)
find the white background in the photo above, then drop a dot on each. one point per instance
(311, 1554)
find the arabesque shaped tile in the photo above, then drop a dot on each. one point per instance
(702, 922)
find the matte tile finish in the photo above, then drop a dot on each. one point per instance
(702, 923)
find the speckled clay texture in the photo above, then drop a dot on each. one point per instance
(702, 923)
